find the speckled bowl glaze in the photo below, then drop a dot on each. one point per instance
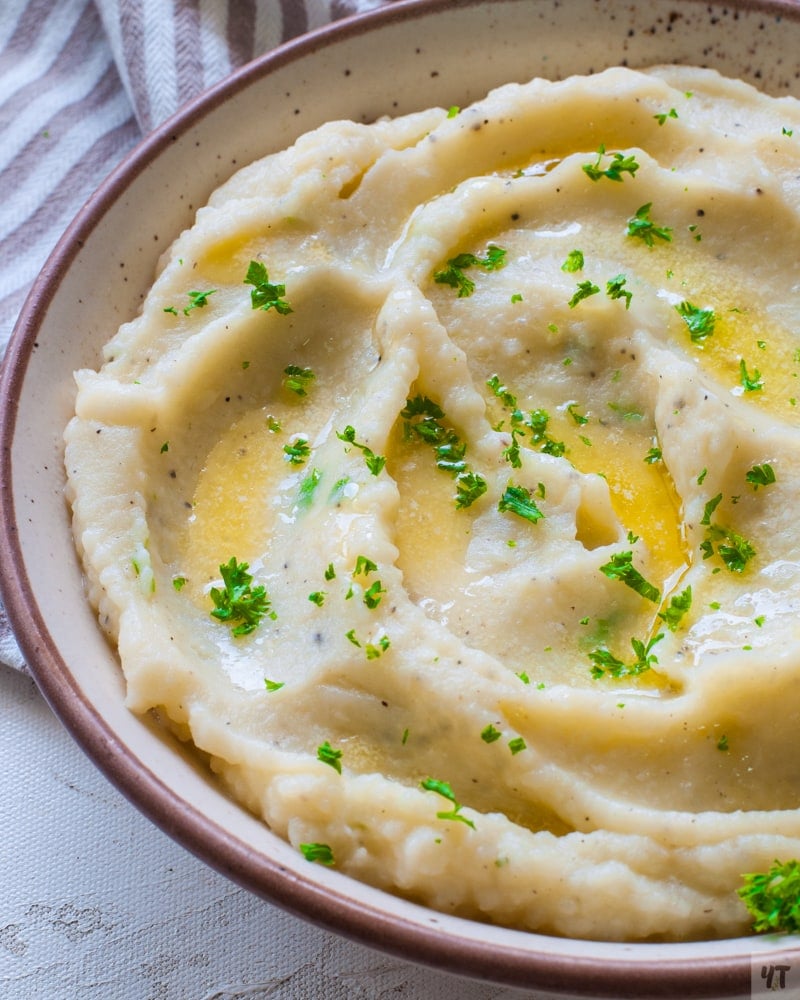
(403, 57)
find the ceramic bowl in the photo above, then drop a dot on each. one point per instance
(397, 59)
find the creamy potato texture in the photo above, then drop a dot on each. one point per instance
(499, 405)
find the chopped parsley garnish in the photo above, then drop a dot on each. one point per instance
(699, 321)
(338, 490)
(374, 650)
(620, 567)
(328, 755)
(678, 606)
(653, 455)
(619, 165)
(470, 486)
(512, 454)
(662, 116)
(374, 463)
(330, 572)
(760, 475)
(422, 406)
(606, 663)
(317, 597)
(722, 743)
(574, 262)
(584, 290)
(272, 685)
(517, 745)
(198, 300)
(750, 383)
(179, 582)
(773, 898)
(642, 227)
(373, 595)
(298, 380)
(710, 507)
(265, 294)
(364, 565)
(579, 418)
(239, 602)
(308, 487)
(453, 274)
(298, 452)
(518, 500)
(371, 650)
(615, 289)
(489, 734)
(442, 788)
(317, 852)
(506, 397)
(273, 425)
(734, 550)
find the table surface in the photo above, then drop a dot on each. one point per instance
(96, 902)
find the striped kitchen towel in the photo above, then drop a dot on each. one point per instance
(81, 81)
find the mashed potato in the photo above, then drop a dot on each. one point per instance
(444, 494)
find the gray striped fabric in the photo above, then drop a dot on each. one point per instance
(81, 81)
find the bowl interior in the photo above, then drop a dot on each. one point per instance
(404, 57)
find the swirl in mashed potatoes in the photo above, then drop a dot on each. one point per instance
(499, 409)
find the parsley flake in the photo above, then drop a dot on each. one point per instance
(305, 494)
(584, 290)
(442, 788)
(265, 294)
(620, 567)
(239, 602)
(750, 383)
(373, 595)
(641, 226)
(773, 897)
(298, 452)
(678, 606)
(489, 734)
(321, 853)
(760, 475)
(604, 662)
(198, 300)
(700, 322)
(298, 380)
(374, 463)
(619, 165)
(574, 262)
(518, 500)
(664, 115)
(453, 274)
(470, 486)
(328, 755)
(615, 289)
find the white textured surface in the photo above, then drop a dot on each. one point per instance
(98, 904)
